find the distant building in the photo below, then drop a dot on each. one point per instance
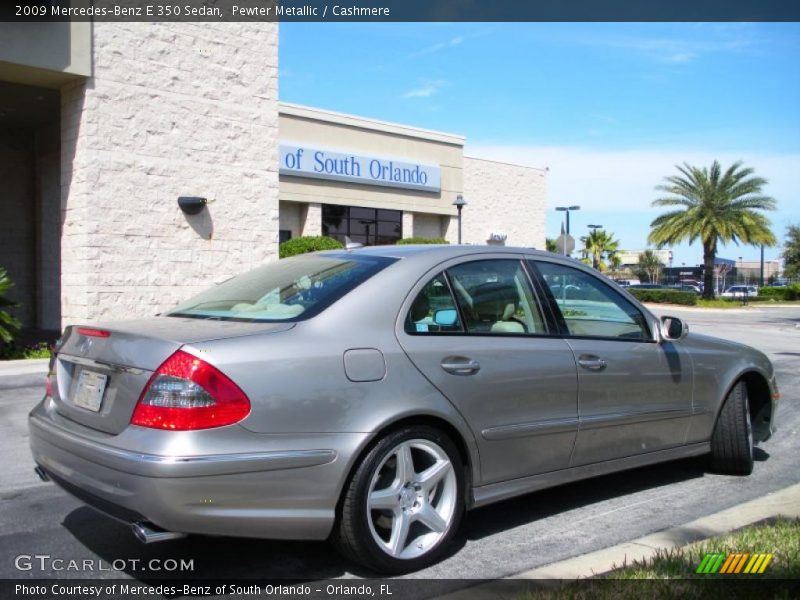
(629, 258)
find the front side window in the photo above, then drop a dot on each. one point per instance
(494, 297)
(590, 308)
(291, 289)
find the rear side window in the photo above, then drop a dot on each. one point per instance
(434, 310)
(478, 297)
(291, 289)
(589, 307)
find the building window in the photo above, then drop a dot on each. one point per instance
(368, 226)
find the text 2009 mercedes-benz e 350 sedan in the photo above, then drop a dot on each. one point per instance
(373, 395)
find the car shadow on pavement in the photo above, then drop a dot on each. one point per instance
(495, 518)
(213, 557)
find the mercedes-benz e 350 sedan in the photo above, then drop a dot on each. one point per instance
(374, 395)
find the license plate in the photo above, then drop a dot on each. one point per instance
(88, 392)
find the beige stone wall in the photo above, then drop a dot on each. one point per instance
(502, 199)
(172, 109)
(428, 226)
(290, 218)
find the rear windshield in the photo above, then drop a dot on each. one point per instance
(291, 289)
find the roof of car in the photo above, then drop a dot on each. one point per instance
(443, 250)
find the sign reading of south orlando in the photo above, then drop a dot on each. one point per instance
(305, 161)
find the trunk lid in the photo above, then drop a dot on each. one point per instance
(99, 379)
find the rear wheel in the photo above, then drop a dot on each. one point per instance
(404, 502)
(732, 440)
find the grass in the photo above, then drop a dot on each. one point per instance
(723, 303)
(673, 573)
(14, 352)
(780, 537)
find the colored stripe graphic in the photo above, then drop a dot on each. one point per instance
(764, 564)
(744, 558)
(740, 562)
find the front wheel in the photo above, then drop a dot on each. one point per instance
(404, 502)
(732, 440)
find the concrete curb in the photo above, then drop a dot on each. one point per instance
(785, 502)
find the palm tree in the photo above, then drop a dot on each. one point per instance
(713, 207)
(599, 244)
(650, 265)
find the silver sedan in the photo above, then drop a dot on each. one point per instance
(372, 396)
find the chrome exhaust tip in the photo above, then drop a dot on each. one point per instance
(147, 533)
(41, 473)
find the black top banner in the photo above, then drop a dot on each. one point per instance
(211, 11)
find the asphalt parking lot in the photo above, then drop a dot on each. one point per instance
(520, 534)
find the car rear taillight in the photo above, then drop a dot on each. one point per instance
(186, 393)
(48, 386)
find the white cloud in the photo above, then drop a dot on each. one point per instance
(624, 180)
(439, 46)
(741, 37)
(615, 188)
(425, 91)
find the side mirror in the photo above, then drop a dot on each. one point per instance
(673, 329)
(446, 317)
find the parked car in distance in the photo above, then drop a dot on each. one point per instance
(372, 396)
(740, 291)
(626, 282)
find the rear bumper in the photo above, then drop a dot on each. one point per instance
(271, 486)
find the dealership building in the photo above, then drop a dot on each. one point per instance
(103, 126)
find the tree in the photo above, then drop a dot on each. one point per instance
(791, 252)
(649, 266)
(615, 262)
(8, 323)
(550, 245)
(598, 246)
(713, 207)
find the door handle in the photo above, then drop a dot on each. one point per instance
(457, 365)
(590, 362)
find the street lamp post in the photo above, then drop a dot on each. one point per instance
(594, 257)
(741, 270)
(459, 203)
(566, 209)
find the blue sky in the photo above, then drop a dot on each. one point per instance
(609, 108)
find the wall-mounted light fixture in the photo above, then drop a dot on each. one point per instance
(191, 205)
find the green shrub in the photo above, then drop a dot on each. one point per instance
(8, 323)
(664, 296)
(790, 292)
(302, 245)
(13, 351)
(422, 240)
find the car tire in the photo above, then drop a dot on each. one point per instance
(395, 518)
(732, 440)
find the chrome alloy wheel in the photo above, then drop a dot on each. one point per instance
(411, 501)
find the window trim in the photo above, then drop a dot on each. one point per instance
(559, 317)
